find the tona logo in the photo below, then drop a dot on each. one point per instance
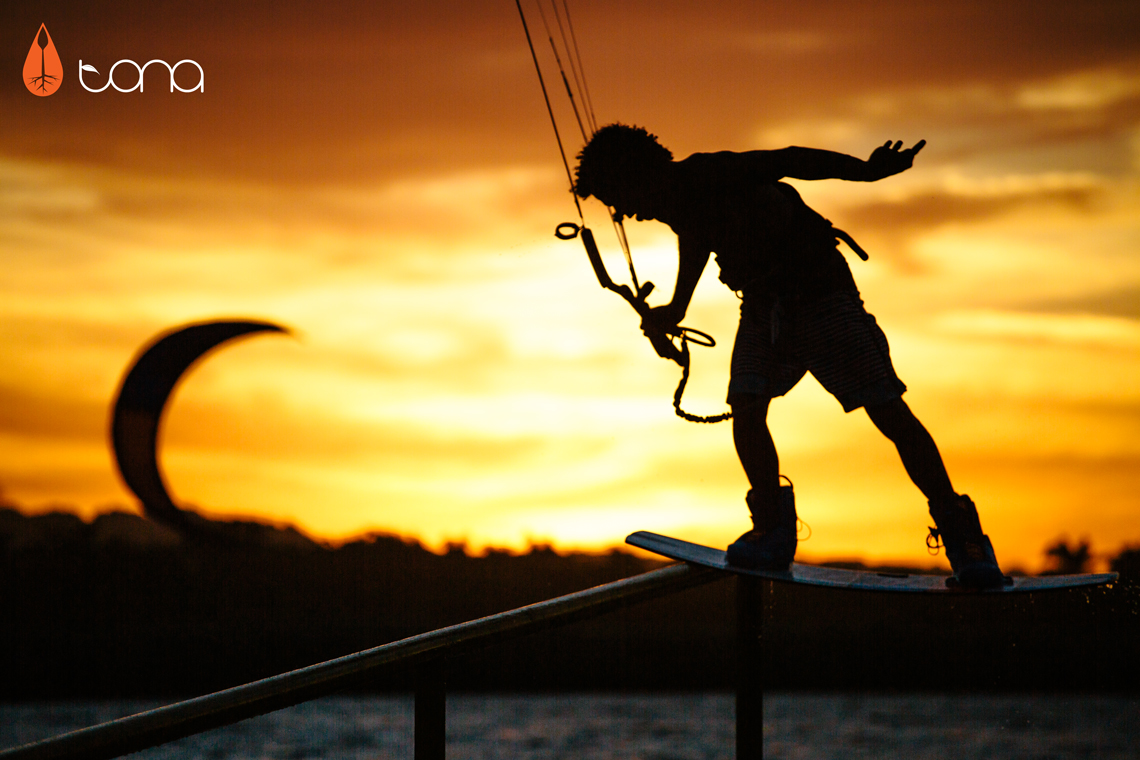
(140, 73)
(43, 71)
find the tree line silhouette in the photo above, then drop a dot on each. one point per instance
(122, 606)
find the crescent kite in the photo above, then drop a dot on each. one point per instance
(140, 402)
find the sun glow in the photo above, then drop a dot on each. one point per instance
(456, 373)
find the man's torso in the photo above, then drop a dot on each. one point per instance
(766, 239)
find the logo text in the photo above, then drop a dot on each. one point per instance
(140, 75)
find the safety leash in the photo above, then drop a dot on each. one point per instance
(681, 389)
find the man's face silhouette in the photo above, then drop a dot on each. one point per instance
(632, 197)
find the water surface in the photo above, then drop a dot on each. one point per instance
(645, 727)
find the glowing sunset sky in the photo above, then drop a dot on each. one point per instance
(382, 178)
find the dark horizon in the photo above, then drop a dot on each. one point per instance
(105, 616)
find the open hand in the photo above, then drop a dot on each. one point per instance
(889, 159)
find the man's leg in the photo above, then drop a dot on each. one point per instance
(916, 447)
(756, 449)
(969, 550)
(771, 544)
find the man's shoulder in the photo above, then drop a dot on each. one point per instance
(723, 158)
(754, 166)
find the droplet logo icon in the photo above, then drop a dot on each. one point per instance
(43, 71)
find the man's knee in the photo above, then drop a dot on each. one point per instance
(749, 404)
(893, 418)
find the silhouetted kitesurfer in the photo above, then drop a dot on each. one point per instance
(800, 312)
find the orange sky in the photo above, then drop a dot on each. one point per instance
(382, 178)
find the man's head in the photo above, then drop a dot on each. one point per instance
(619, 164)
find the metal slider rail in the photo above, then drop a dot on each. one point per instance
(193, 716)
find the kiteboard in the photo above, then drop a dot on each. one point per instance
(866, 580)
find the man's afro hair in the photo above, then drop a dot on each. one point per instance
(615, 151)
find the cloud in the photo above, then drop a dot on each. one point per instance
(312, 92)
(1081, 91)
(1079, 119)
(1117, 302)
(938, 208)
(27, 414)
(899, 223)
(1082, 329)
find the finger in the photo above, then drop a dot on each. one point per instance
(887, 144)
(897, 145)
(917, 147)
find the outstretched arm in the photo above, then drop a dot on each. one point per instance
(812, 163)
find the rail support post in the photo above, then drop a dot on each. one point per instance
(431, 711)
(751, 597)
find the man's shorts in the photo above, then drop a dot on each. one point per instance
(831, 336)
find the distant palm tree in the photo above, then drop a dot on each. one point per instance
(1069, 561)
